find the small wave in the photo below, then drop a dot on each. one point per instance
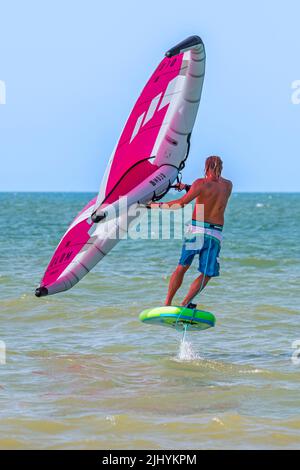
(251, 371)
(217, 420)
(257, 262)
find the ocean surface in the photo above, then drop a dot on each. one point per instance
(82, 372)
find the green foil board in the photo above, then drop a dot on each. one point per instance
(179, 318)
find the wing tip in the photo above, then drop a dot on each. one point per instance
(186, 44)
(41, 291)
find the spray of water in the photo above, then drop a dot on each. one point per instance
(186, 352)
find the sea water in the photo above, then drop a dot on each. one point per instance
(81, 371)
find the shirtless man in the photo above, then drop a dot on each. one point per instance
(213, 192)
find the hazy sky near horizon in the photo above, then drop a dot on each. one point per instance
(74, 69)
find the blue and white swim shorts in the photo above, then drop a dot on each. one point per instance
(204, 240)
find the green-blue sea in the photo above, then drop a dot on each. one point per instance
(82, 372)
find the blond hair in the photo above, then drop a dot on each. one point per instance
(213, 165)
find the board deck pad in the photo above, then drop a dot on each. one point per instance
(178, 318)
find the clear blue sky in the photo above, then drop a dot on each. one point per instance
(74, 69)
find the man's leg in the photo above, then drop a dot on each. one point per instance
(175, 282)
(195, 288)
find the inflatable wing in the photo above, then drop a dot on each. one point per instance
(147, 159)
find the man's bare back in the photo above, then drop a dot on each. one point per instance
(214, 195)
(210, 192)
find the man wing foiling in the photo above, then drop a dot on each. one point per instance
(213, 192)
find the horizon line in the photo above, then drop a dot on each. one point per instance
(96, 192)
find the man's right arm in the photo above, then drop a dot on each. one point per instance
(193, 192)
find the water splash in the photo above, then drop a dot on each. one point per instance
(111, 419)
(186, 352)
